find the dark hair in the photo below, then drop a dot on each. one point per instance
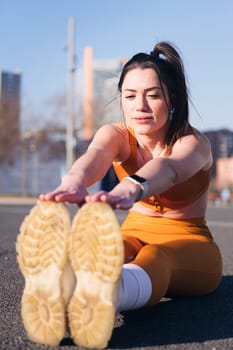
(167, 63)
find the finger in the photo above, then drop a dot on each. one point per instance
(95, 197)
(46, 196)
(124, 204)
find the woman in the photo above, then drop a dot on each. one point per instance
(163, 165)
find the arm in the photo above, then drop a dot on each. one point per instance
(189, 154)
(90, 167)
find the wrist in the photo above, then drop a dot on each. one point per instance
(140, 183)
(71, 178)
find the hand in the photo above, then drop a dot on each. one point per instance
(122, 196)
(116, 202)
(68, 191)
(64, 195)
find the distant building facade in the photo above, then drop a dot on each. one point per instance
(10, 84)
(106, 76)
(224, 172)
(222, 149)
(105, 103)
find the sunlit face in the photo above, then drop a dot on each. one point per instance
(144, 105)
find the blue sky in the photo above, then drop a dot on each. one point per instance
(33, 34)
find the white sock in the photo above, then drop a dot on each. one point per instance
(135, 288)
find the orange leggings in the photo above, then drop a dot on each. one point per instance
(180, 257)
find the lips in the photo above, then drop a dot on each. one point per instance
(142, 119)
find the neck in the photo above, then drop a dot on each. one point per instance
(152, 144)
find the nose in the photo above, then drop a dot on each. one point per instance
(141, 103)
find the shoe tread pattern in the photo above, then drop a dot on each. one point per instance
(96, 252)
(42, 253)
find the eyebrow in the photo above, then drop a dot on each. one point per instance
(148, 89)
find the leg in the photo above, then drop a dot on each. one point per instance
(203, 267)
(181, 267)
(132, 246)
(157, 265)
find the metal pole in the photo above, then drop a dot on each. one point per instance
(24, 151)
(88, 92)
(70, 95)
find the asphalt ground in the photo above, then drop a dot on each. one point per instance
(173, 324)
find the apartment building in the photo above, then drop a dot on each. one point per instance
(9, 113)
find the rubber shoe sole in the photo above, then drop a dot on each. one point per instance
(96, 255)
(42, 248)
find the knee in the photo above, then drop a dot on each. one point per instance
(153, 254)
(131, 248)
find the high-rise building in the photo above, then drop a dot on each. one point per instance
(9, 113)
(221, 144)
(106, 76)
(224, 172)
(222, 150)
(97, 95)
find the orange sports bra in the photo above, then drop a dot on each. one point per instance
(177, 196)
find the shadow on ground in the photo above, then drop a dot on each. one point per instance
(179, 320)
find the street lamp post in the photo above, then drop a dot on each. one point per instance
(70, 95)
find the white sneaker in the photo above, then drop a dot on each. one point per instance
(42, 248)
(96, 255)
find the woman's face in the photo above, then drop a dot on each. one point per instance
(144, 105)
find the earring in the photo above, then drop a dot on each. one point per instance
(171, 113)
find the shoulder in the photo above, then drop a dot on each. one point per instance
(115, 129)
(113, 138)
(193, 141)
(189, 154)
